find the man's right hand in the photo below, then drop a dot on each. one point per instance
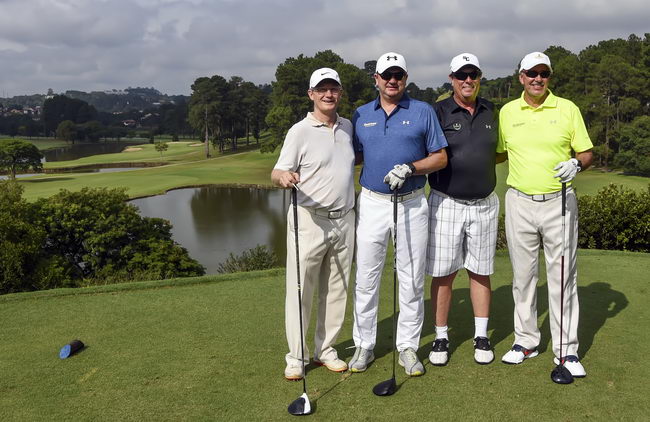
(288, 179)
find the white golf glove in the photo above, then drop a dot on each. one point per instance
(567, 170)
(396, 177)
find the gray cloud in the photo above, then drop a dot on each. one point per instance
(102, 44)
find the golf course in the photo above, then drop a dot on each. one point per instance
(212, 348)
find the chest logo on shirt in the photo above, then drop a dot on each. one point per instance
(406, 122)
(552, 122)
(488, 126)
(517, 124)
(371, 124)
(457, 126)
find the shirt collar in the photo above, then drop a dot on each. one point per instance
(549, 102)
(404, 102)
(454, 106)
(317, 123)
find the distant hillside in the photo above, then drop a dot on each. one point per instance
(109, 101)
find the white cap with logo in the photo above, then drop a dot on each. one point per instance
(321, 74)
(388, 60)
(464, 59)
(533, 59)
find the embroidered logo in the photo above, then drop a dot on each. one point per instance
(371, 124)
(488, 126)
(457, 126)
(553, 122)
(517, 124)
(406, 122)
(391, 57)
(466, 58)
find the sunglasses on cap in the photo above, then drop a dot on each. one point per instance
(533, 73)
(461, 76)
(387, 76)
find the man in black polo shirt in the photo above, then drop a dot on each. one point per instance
(463, 209)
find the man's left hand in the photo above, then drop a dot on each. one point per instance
(567, 170)
(396, 177)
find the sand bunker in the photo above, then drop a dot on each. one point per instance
(132, 149)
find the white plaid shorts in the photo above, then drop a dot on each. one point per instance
(462, 233)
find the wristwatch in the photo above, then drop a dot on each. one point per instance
(412, 167)
(579, 165)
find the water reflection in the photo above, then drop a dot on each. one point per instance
(212, 222)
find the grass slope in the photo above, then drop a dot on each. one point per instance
(212, 348)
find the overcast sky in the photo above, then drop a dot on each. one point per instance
(103, 44)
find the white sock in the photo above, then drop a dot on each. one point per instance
(480, 326)
(441, 332)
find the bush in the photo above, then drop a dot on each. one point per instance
(617, 218)
(79, 238)
(258, 258)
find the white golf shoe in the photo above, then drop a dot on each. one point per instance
(412, 365)
(572, 363)
(439, 355)
(483, 353)
(334, 365)
(518, 354)
(293, 372)
(361, 359)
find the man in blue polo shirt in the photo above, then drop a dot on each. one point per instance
(399, 140)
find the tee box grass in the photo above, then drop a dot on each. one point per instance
(212, 348)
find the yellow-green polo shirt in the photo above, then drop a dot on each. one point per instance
(537, 139)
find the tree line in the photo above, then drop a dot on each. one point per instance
(609, 81)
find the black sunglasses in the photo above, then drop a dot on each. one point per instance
(387, 76)
(473, 75)
(533, 73)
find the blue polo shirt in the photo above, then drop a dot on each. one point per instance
(410, 133)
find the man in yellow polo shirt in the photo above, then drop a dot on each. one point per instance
(539, 132)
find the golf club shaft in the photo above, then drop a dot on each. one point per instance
(294, 199)
(394, 275)
(562, 270)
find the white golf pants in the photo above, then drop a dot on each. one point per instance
(527, 222)
(374, 231)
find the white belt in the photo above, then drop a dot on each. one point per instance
(541, 197)
(389, 196)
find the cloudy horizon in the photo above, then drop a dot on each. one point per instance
(90, 45)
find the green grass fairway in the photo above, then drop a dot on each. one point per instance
(213, 348)
(177, 151)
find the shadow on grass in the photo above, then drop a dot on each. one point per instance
(45, 180)
(598, 303)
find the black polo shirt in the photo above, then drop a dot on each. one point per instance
(471, 153)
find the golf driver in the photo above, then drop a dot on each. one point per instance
(301, 405)
(388, 387)
(560, 374)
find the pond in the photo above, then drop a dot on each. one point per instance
(76, 151)
(212, 222)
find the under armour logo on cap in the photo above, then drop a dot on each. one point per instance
(390, 59)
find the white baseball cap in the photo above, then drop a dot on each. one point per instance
(464, 59)
(388, 60)
(533, 59)
(321, 74)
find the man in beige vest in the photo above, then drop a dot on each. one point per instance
(317, 156)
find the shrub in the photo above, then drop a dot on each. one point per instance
(615, 218)
(258, 258)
